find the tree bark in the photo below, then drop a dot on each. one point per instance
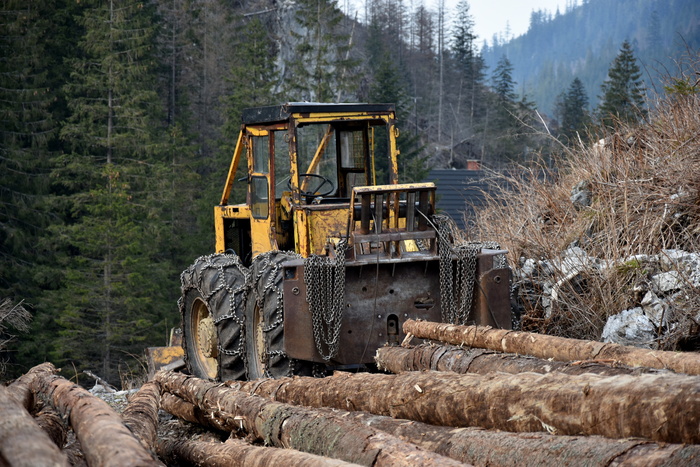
(298, 428)
(496, 448)
(21, 388)
(481, 361)
(50, 421)
(105, 440)
(141, 414)
(186, 411)
(179, 448)
(658, 407)
(22, 441)
(557, 348)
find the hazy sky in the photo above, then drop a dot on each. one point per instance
(490, 16)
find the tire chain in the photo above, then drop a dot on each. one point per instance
(457, 280)
(193, 277)
(272, 268)
(325, 293)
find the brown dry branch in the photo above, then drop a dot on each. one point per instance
(298, 428)
(557, 348)
(22, 441)
(179, 447)
(471, 360)
(104, 439)
(141, 414)
(659, 407)
(496, 448)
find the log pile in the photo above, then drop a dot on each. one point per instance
(459, 400)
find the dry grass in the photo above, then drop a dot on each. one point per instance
(644, 183)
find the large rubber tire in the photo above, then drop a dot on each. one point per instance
(265, 320)
(212, 307)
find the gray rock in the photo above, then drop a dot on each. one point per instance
(631, 327)
(667, 281)
(581, 195)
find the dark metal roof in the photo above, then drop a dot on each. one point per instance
(459, 192)
(278, 113)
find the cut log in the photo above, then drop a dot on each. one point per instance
(22, 441)
(658, 407)
(557, 348)
(105, 440)
(141, 414)
(181, 448)
(21, 388)
(495, 448)
(52, 423)
(481, 361)
(185, 410)
(298, 428)
(74, 451)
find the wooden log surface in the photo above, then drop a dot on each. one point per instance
(179, 447)
(52, 423)
(21, 388)
(504, 449)
(104, 439)
(664, 408)
(481, 361)
(22, 441)
(141, 414)
(299, 428)
(557, 348)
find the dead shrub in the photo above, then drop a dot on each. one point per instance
(642, 196)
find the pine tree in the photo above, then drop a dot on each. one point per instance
(321, 66)
(26, 129)
(252, 81)
(623, 91)
(572, 111)
(113, 298)
(503, 87)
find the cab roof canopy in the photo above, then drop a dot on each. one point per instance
(278, 113)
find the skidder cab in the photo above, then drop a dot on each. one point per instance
(329, 254)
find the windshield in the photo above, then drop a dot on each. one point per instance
(316, 154)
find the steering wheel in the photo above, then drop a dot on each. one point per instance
(309, 195)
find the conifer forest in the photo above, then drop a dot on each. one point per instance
(118, 119)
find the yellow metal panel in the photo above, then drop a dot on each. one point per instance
(301, 233)
(236, 211)
(325, 224)
(233, 167)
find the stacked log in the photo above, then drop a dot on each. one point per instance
(459, 400)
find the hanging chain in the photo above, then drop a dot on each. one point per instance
(325, 292)
(458, 260)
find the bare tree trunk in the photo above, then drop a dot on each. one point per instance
(659, 407)
(21, 388)
(495, 448)
(105, 440)
(296, 427)
(141, 415)
(557, 348)
(22, 441)
(179, 448)
(480, 361)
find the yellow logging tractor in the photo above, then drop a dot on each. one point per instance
(329, 254)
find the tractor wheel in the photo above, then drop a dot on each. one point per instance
(265, 320)
(212, 307)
